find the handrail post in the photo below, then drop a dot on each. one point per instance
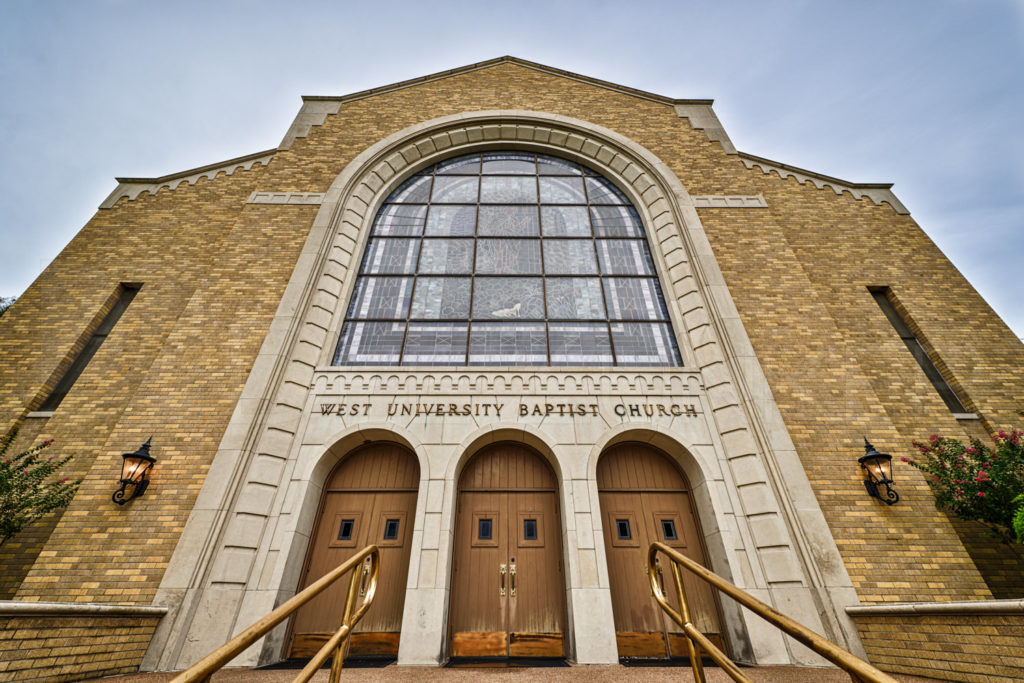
(339, 654)
(858, 669)
(684, 609)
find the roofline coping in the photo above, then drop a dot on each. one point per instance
(506, 59)
(815, 174)
(200, 169)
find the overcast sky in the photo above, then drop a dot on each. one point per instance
(928, 95)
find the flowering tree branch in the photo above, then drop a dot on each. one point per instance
(28, 490)
(978, 482)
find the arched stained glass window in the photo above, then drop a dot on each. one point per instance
(507, 258)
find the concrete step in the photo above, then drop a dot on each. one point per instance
(580, 674)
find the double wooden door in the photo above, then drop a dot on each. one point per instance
(370, 499)
(507, 583)
(645, 499)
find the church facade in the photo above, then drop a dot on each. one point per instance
(510, 324)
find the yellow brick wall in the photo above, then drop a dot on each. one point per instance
(215, 269)
(50, 648)
(974, 648)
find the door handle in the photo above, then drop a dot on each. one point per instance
(501, 591)
(512, 573)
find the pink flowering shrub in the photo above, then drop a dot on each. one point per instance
(28, 489)
(977, 482)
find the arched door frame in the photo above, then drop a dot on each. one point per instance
(531, 441)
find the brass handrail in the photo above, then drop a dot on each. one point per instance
(211, 663)
(858, 669)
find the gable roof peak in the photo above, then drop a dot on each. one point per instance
(505, 59)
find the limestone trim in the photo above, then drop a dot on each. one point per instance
(879, 193)
(951, 608)
(730, 202)
(313, 112)
(702, 117)
(303, 198)
(133, 187)
(249, 526)
(14, 608)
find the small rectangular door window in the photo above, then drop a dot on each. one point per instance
(345, 529)
(391, 530)
(623, 530)
(668, 529)
(529, 530)
(484, 530)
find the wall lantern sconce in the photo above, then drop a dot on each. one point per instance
(877, 468)
(134, 473)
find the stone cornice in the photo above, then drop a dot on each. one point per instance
(13, 608)
(133, 187)
(927, 608)
(877, 192)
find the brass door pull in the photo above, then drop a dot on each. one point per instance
(512, 571)
(501, 591)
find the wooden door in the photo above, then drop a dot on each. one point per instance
(507, 581)
(644, 499)
(369, 499)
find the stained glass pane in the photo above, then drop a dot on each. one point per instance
(616, 221)
(572, 298)
(381, 297)
(579, 344)
(466, 165)
(451, 220)
(562, 191)
(455, 190)
(508, 344)
(414, 190)
(569, 257)
(624, 257)
(435, 344)
(552, 166)
(509, 162)
(634, 298)
(390, 256)
(370, 343)
(508, 190)
(565, 221)
(508, 297)
(601, 191)
(441, 256)
(400, 219)
(441, 297)
(508, 221)
(644, 344)
(508, 257)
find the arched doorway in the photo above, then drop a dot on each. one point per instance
(508, 587)
(370, 498)
(645, 498)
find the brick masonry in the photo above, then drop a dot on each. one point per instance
(978, 648)
(63, 648)
(214, 269)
